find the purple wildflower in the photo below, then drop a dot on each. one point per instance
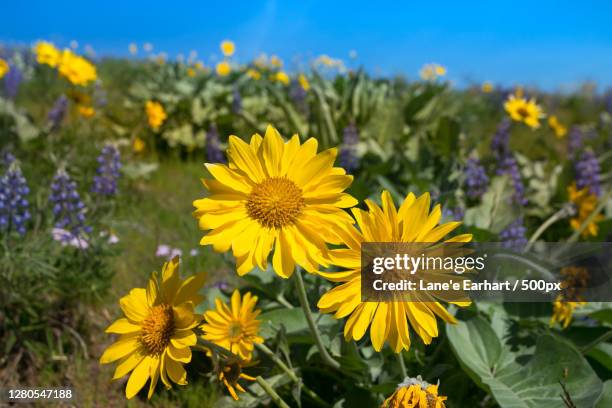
(348, 150)
(476, 178)
(105, 182)
(68, 209)
(213, 150)
(500, 144)
(588, 172)
(298, 96)
(514, 235)
(509, 166)
(13, 201)
(58, 112)
(236, 101)
(575, 141)
(12, 80)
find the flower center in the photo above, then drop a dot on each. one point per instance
(157, 329)
(234, 331)
(275, 202)
(523, 112)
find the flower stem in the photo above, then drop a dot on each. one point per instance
(291, 374)
(270, 391)
(402, 364)
(559, 215)
(604, 337)
(327, 359)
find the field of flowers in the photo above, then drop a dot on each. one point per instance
(249, 188)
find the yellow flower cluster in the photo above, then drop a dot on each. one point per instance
(415, 393)
(223, 68)
(156, 115)
(73, 67)
(431, 72)
(282, 77)
(585, 203)
(556, 126)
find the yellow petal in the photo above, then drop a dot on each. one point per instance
(122, 326)
(124, 346)
(139, 377)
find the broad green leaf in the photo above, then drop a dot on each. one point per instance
(536, 384)
(606, 396)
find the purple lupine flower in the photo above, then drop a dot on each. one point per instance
(588, 172)
(509, 166)
(236, 101)
(476, 178)
(12, 80)
(105, 182)
(575, 140)
(298, 95)
(348, 150)
(68, 209)
(14, 204)
(454, 213)
(6, 159)
(100, 96)
(58, 111)
(500, 144)
(514, 235)
(213, 149)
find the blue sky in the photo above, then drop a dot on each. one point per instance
(550, 44)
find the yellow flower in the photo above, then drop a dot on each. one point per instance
(4, 68)
(415, 393)
(523, 110)
(304, 82)
(430, 72)
(282, 77)
(487, 87)
(389, 320)
(156, 115)
(275, 195)
(519, 91)
(157, 332)
(191, 72)
(228, 48)
(556, 126)
(253, 74)
(46, 53)
(585, 203)
(76, 69)
(563, 311)
(87, 111)
(230, 373)
(276, 62)
(234, 328)
(223, 68)
(138, 145)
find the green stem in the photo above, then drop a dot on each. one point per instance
(604, 337)
(559, 215)
(281, 299)
(291, 374)
(270, 391)
(402, 364)
(327, 359)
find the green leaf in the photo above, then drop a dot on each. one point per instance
(494, 367)
(292, 319)
(447, 136)
(606, 396)
(495, 212)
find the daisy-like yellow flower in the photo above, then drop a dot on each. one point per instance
(275, 61)
(282, 77)
(556, 126)
(563, 311)
(253, 74)
(157, 333)
(4, 68)
(304, 82)
(230, 372)
(191, 72)
(223, 68)
(156, 115)
(487, 87)
(523, 110)
(234, 327)
(415, 393)
(585, 203)
(228, 48)
(86, 111)
(413, 222)
(76, 69)
(138, 145)
(46, 53)
(275, 195)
